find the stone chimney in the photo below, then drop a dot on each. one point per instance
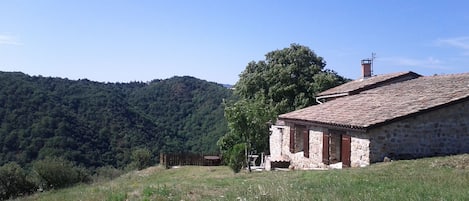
(366, 68)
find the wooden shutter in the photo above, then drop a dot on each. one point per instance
(292, 139)
(306, 142)
(345, 150)
(325, 148)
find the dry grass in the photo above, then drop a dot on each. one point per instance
(457, 162)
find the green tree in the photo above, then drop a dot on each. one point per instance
(248, 120)
(287, 79)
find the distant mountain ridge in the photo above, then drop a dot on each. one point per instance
(229, 86)
(97, 124)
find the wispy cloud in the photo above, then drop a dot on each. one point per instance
(457, 42)
(429, 62)
(8, 40)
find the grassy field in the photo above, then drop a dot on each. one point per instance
(440, 178)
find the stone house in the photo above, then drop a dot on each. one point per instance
(396, 116)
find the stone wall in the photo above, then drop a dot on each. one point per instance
(315, 145)
(441, 132)
(275, 141)
(280, 150)
(360, 149)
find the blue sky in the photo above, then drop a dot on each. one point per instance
(124, 40)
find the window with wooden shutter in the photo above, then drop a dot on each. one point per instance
(299, 139)
(306, 143)
(325, 148)
(345, 150)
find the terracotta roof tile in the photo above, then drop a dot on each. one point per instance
(359, 85)
(386, 103)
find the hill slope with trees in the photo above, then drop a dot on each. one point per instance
(97, 124)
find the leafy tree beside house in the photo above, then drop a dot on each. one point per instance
(248, 127)
(286, 80)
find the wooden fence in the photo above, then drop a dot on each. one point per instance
(169, 160)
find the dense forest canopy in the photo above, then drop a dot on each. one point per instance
(96, 124)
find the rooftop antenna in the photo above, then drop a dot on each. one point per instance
(373, 57)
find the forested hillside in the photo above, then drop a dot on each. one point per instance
(96, 124)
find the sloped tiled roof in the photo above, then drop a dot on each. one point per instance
(359, 85)
(387, 103)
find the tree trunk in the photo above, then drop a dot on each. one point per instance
(248, 160)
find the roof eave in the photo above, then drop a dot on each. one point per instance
(325, 125)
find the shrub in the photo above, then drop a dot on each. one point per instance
(55, 173)
(107, 173)
(141, 158)
(14, 182)
(236, 159)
